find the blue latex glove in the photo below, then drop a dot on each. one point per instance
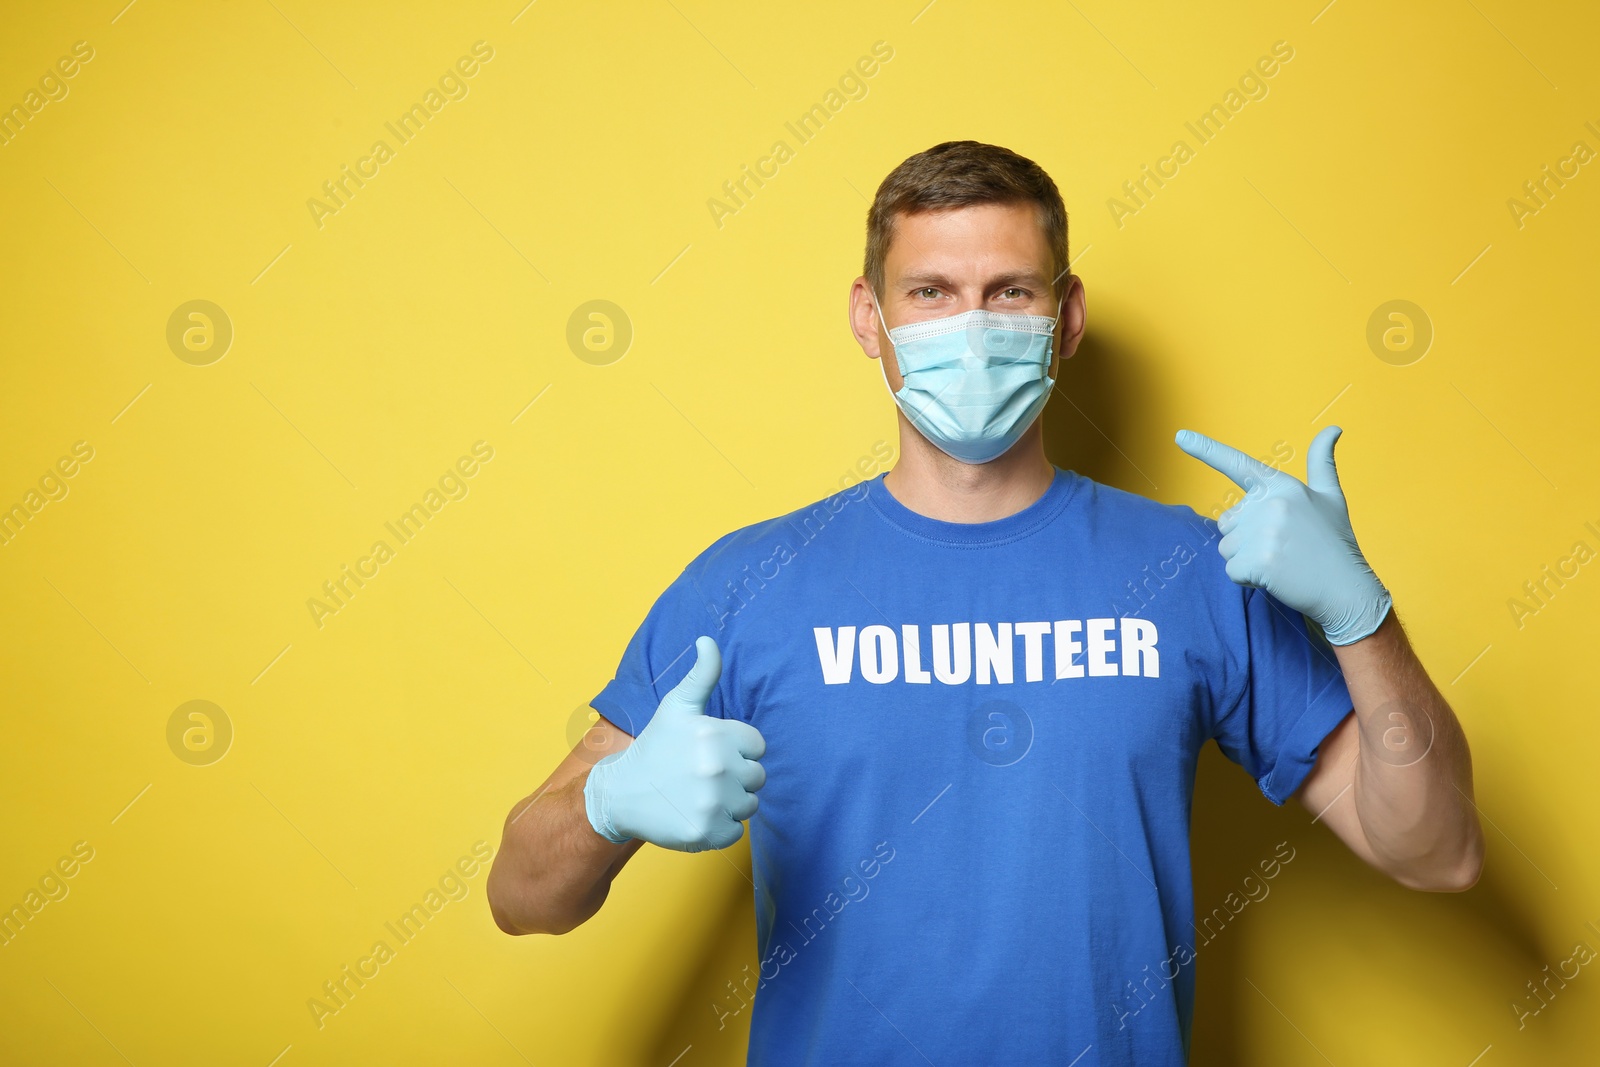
(1293, 538)
(688, 780)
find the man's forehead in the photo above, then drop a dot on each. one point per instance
(1005, 239)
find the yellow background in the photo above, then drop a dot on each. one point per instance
(372, 752)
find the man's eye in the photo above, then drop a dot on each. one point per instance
(928, 293)
(1014, 293)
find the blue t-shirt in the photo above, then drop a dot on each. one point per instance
(973, 841)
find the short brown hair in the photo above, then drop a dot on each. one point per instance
(956, 174)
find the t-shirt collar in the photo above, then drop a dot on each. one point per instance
(998, 531)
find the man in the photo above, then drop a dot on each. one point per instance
(974, 749)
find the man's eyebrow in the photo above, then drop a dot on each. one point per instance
(922, 277)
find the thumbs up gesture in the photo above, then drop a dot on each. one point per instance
(1294, 539)
(689, 780)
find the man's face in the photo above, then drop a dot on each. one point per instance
(941, 263)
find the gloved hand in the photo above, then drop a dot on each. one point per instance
(1294, 540)
(688, 780)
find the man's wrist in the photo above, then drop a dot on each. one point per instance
(1362, 623)
(597, 805)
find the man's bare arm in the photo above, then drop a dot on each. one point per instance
(553, 872)
(1394, 780)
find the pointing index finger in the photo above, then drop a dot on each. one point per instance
(1246, 471)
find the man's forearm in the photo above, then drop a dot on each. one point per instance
(552, 871)
(1413, 775)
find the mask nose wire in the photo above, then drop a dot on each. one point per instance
(878, 307)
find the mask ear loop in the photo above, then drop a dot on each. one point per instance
(900, 364)
(1053, 324)
(1060, 303)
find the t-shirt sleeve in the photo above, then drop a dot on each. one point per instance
(1293, 696)
(659, 656)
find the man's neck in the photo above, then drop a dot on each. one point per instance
(933, 484)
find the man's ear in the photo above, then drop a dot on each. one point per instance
(1065, 319)
(865, 328)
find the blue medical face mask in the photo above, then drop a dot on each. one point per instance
(974, 382)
